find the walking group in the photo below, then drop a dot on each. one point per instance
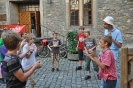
(18, 61)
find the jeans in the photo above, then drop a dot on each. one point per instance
(102, 84)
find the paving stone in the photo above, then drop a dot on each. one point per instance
(66, 78)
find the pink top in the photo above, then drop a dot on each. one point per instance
(109, 72)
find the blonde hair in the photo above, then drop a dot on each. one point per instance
(107, 39)
(29, 37)
(11, 39)
(87, 31)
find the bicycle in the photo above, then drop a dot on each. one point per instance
(45, 49)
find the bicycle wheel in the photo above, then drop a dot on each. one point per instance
(63, 53)
(44, 52)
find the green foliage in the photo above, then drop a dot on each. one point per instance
(72, 42)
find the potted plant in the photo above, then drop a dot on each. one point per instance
(71, 45)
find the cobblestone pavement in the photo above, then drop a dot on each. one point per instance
(66, 78)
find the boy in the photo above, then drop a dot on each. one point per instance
(80, 47)
(30, 58)
(89, 45)
(15, 75)
(55, 44)
(106, 62)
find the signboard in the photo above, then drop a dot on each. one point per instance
(2, 17)
(18, 28)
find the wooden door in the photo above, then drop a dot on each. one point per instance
(37, 19)
(25, 19)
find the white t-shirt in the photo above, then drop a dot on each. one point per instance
(27, 62)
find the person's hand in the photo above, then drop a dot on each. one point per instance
(38, 64)
(91, 55)
(77, 48)
(109, 34)
(31, 48)
(23, 42)
(90, 50)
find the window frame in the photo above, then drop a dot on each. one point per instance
(87, 10)
(70, 13)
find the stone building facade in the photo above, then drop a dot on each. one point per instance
(55, 16)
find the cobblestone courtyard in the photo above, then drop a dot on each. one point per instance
(66, 78)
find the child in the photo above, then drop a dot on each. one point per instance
(55, 44)
(15, 75)
(106, 62)
(89, 45)
(80, 47)
(23, 35)
(29, 59)
(1, 71)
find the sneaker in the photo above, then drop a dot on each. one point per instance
(78, 68)
(52, 70)
(87, 77)
(57, 69)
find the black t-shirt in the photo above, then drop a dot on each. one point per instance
(11, 65)
(56, 42)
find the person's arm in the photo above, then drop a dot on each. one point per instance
(24, 76)
(117, 43)
(27, 69)
(26, 48)
(93, 57)
(102, 66)
(93, 47)
(21, 56)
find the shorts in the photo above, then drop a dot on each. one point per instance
(55, 57)
(80, 54)
(110, 84)
(88, 62)
(32, 79)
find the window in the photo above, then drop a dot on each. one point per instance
(130, 0)
(87, 12)
(80, 12)
(74, 12)
(28, 7)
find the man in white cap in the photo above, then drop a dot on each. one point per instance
(116, 35)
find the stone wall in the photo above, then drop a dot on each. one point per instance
(2, 10)
(122, 13)
(54, 18)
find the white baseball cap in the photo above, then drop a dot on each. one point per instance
(109, 20)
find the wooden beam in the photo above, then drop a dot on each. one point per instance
(130, 77)
(131, 83)
(124, 68)
(131, 62)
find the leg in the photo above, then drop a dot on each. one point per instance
(80, 63)
(80, 55)
(32, 80)
(102, 83)
(95, 66)
(57, 60)
(117, 84)
(87, 68)
(52, 61)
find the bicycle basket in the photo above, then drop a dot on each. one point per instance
(45, 42)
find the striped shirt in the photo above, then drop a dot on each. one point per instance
(109, 72)
(11, 65)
